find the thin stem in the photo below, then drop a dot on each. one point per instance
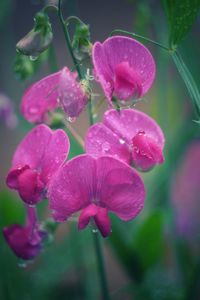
(76, 63)
(68, 40)
(140, 37)
(102, 274)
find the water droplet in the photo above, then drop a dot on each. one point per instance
(105, 146)
(33, 58)
(71, 119)
(94, 230)
(122, 141)
(22, 263)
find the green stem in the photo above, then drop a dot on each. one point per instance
(68, 40)
(140, 37)
(97, 244)
(102, 274)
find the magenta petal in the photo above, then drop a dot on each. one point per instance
(25, 241)
(121, 189)
(35, 161)
(127, 83)
(102, 221)
(72, 187)
(106, 182)
(56, 152)
(119, 49)
(71, 95)
(42, 149)
(131, 121)
(100, 140)
(146, 153)
(40, 98)
(88, 212)
(30, 186)
(12, 177)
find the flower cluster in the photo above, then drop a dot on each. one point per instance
(104, 179)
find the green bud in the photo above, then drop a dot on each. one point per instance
(38, 39)
(81, 41)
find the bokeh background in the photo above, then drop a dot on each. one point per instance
(156, 256)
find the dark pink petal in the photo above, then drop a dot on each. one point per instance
(71, 94)
(56, 152)
(90, 211)
(35, 161)
(40, 98)
(129, 122)
(12, 177)
(102, 221)
(116, 50)
(120, 188)
(100, 140)
(25, 241)
(100, 216)
(30, 187)
(106, 182)
(127, 83)
(146, 153)
(72, 188)
(42, 149)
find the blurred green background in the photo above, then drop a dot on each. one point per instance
(150, 257)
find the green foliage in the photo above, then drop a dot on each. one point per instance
(25, 67)
(181, 15)
(81, 41)
(148, 242)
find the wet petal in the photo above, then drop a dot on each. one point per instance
(145, 152)
(120, 188)
(71, 95)
(129, 122)
(100, 140)
(40, 98)
(42, 149)
(90, 211)
(102, 221)
(72, 188)
(116, 50)
(127, 83)
(25, 241)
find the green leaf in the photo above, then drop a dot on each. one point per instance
(81, 41)
(148, 242)
(181, 16)
(24, 67)
(188, 80)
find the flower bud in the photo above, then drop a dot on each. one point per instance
(38, 39)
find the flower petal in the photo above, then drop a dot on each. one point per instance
(120, 187)
(71, 95)
(129, 122)
(42, 149)
(72, 187)
(100, 140)
(115, 50)
(40, 98)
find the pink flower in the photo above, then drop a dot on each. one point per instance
(26, 241)
(129, 135)
(124, 67)
(95, 187)
(60, 88)
(185, 194)
(35, 161)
